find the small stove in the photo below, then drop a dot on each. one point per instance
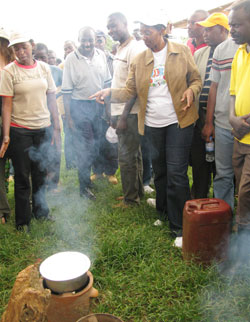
(71, 306)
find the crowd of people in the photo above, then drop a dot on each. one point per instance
(164, 99)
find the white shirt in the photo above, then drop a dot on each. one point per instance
(160, 110)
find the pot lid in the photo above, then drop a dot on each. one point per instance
(64, 266)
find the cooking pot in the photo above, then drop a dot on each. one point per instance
(65, 271)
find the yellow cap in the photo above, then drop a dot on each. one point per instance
(214, 19)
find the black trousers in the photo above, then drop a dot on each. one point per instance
(28, 151)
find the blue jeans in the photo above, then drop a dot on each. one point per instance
(86, 134)
(170, 148)
(224, 179)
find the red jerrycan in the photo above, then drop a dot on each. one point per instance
(206, 230)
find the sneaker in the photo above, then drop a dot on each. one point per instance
(178, 242)
(88, 194)
(148, 189)
(158, 222)
(151, 202)
(112, 179)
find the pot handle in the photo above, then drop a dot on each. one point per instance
(94, 292)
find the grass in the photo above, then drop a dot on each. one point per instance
(139, 274)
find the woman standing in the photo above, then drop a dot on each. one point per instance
(166, 81)
(29, 100)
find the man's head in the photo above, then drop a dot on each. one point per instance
(196, 31)
(86, 39)
(100, 42)
(118, 27)
(52, 57)
(216, 29)
(239, 21)
(41, 52)
(68, 47)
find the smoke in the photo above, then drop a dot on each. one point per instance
(227, 298)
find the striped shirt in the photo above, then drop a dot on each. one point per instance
(220, 73)
(207, 82)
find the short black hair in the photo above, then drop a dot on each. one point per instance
(120, 16)
(41, 46)
(245, 5)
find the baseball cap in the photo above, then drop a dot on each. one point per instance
(17, 38)
(153, 19)
(3, 34)
(214, 19)
(100, 33)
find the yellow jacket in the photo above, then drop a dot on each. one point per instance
(180, 72)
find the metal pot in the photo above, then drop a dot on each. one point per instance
(65, 272)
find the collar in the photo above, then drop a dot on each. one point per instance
(80, 56)
(244, 47)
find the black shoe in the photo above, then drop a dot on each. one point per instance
(88, 194)
(23, 228)
(45, 218)
(176, 233)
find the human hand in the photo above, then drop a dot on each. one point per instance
(56, 139)
(101, 95)
(121, 125)
(188, 96)
(240, 125)
(4, 147)
(207, 132)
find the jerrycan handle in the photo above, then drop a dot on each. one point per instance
(210, 204)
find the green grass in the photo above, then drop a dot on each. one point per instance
(139, 274)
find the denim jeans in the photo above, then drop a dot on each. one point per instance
(170, 148)
(86, 133)
(107, 160)
(29, 153)
(224, 179)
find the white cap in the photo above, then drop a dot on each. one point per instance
(151, 19)
(3, 34)
(17, 38)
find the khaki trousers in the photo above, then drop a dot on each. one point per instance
(241, 165)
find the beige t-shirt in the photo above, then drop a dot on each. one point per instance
(28, 85)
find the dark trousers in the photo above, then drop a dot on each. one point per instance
(69, 151)
(28, 151)
(107, 160)
(202, 170)
(130, 161)
(170, 148)
(86, 133)
(146, 159)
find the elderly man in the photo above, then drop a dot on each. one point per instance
(85, 72)
(239, 20)
(195, 32)
(216, 30)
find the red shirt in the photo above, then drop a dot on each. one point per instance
(192, 45)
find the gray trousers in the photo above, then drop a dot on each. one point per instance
(130, 161)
